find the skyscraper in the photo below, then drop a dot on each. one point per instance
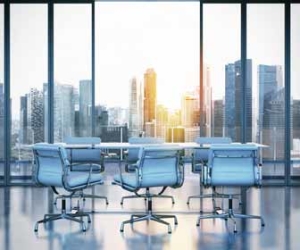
(1, 119)
(189, 108)
(162, 118)
(37, 115)
(101, 120)
(64, 111)
(269, 80)
(218, 118)
(271, 109)
(233, 100)
(207, 102)
(296, 119)
(32, 117)
(135, 108)
(150, 100)
(85, 108)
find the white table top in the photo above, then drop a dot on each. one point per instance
(126, 145)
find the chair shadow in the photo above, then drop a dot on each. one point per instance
(144, 240)
(72, 240)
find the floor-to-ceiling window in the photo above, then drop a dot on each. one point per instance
(222, 70)
(147, 70)
(265, 51)
(295, 90)
(72, 71)
(2, 117)
(28, 86)
(156, 44)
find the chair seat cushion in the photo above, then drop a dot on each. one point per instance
(153, 180)
(77, 179)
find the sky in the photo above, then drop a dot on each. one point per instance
(132, 36)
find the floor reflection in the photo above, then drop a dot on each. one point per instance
(21, 207)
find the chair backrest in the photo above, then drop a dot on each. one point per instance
(201, 154)
(49, 163)
(234, 165)
(83, 140)
(160, 166)
(133, 153)
(84, 155)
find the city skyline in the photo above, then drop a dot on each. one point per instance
(113, 56)
(163, 36)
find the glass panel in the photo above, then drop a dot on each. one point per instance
(147, 70)
(222, 67)
(295, 96)
(2, 93)
(266, 51)
(28, 84)
(72, 70)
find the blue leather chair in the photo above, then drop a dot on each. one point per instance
(232, 165)
(53, 169)
(132, 157)
(83, 159)
(132, 154)
(200, 158)
(157, 167)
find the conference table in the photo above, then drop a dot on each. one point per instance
(127, 145)
(106, 146)
(122, 146)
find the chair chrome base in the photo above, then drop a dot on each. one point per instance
(231, 215)
(145, 197)
(213, 196)
(150, 216)
(64, 215)
(147, 194)
(80, 195)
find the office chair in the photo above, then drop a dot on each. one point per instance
(157, 167)
(131, 159)
(85, 158)
(132, 154)
(200, 158)
(232, 165)
(52, 169)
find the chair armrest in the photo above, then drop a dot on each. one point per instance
(181, 175)
(66, 171)
(195, 162)
(135, 166)
(91, 165)
(205, 175)
(258, 175)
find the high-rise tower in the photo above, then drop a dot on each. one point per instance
(233, 100)
(1, 119)
(64, 111)
(85, 108)
(135, 108)
(271, 110)
(149, 101)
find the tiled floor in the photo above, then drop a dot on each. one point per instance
(21, 207)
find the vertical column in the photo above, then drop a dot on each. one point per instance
(243, 70)
(287, 78)
(202, 111)
(7, 106)
(50, 72)
(93, 68)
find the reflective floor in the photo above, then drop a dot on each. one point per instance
(21, 207)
